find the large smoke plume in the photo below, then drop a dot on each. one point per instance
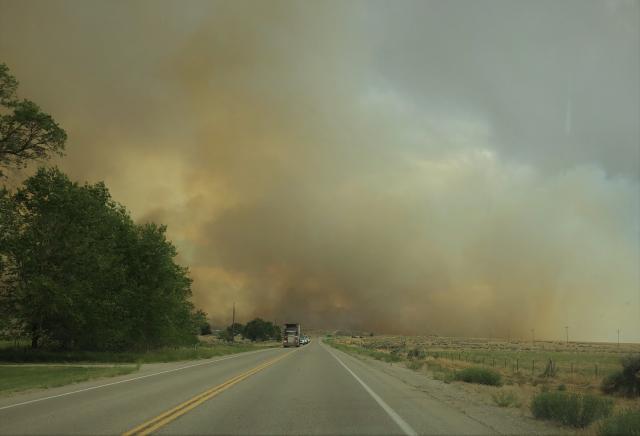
(395, 167)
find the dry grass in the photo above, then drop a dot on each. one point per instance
(578, 367)
(577, 364)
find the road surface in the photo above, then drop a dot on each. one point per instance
(314, 389)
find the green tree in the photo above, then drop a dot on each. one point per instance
(6, 229)
(202, 324)
(63, 248)
(205, 329)
(261, 330)
(233, 329)
(26, 133)
(160, 290)
(83, 275)
(277, 333)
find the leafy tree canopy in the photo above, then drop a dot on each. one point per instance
(26, 133)
(83, 275)
(202, 324)
(260, 330)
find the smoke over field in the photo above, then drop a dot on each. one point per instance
(364, 165)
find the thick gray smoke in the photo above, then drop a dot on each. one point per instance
(468, 168)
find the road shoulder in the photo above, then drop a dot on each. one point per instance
(455, 396)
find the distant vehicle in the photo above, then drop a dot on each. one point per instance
(304, 340)
(292, 335)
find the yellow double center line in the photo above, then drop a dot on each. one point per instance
(172, 414)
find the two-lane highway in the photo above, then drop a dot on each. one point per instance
(310, 390)
(117, 405)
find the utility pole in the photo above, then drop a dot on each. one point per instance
(618, 338)
(233, 323)
(567, 331)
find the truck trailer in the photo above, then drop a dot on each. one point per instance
(292, 335)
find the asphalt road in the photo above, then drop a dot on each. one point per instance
(314, 389)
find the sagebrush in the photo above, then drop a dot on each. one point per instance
(626, 422)
(625, 382)
(479, 375)
(571, 409)
(506, 398)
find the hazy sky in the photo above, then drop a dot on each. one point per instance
(449, 167)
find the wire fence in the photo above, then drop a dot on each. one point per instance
(541, 366)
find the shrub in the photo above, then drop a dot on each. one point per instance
(448, 377)
(416, 353)
(505, 399)
(625, 382)
(414, 364)
(396, 352)
(445, 376)
(387, 357)
(624, 423)
(570, 409)
(481, 376)
(434, 366)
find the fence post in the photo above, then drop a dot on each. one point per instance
(517, 367)
(533, 366)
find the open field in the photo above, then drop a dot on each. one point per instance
(575, 362)
(14, 378)
(579, 367)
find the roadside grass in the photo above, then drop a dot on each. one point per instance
(578, 373)
(27, 355)
(579, 366)
(506, 398)
(24, 377)
(626, 422)
(415, 365)
(378, 355)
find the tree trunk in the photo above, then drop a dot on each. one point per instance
(34, 340)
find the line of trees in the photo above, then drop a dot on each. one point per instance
(75, 270)
(255, 330)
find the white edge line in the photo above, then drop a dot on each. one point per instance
(406, 428)
(130, 379)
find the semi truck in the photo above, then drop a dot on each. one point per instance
(292, 335)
